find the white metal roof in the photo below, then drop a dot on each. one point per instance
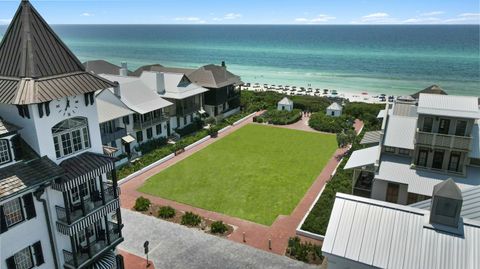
(137, 95)
(285, 101)
(470, 206)
(175, 90)
(371, 137)
(400, 132)
(449, 105)
(381, 114)
(397, 169)
(475, 144)
(386, 235)
(109, 107)
(334, 106)
(363, 157)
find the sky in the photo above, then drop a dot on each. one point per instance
(251, 11)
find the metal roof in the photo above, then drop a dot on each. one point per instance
(161, 68)
(110, 107)
(214, 76)
(334, 106)
(470, 206)
(7, 128)
(363, 157)
(174, 89)
(22, 176)
(434, 89)
(386, 235)
(372, 137)
(103, 67)
(400, 132)
(398, 169)
(36, 66)
(449, 105)
(403, 109)
(382, 113)
(285, 101)
(84, 164)
(475, 144)
(137, 95)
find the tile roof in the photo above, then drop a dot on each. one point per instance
(400, 132)
(23, 176)
(449, 105)
(385, 235)
(36, 66)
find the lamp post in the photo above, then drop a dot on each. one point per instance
(145, 246)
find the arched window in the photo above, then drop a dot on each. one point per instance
(70, 136)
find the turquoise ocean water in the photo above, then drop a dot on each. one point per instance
(378, 59)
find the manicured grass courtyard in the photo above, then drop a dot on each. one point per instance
(256, 173)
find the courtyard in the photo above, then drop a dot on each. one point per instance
(255, 173)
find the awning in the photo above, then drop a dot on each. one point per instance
(363, 157)
(371, 137)
(106, 261)
(110, 151)
(128, 139)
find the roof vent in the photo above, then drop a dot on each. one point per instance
(446, 204)
(223, 64)
(124, 69)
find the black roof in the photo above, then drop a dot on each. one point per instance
(31, 52)
(85, 163)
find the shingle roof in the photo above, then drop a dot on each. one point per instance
(449, 105)
(400, 132)
(36, 66)
(386, 235)
(470, 206)
(22, 176)
(214, 76)
(103, 67)
(434, 89)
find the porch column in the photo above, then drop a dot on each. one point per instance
(102, 192)
(115, 183)
(107, 229)
(74, 250)
(66, 203)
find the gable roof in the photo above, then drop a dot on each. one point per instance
(110, 107)
(31, 52)
(285, 101)
(449, 105)
(161, 68)
(103, 67)
(178, 86)
(400, 132)
(434, 89)
(214, 76)
(334, 106)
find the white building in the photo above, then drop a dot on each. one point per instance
(57, 208)
(367, 233)
(285, 104)
(334, 110)
(422, 143)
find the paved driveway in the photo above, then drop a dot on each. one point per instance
(176, 246)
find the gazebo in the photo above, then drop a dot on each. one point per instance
(334, 110)
(285, 104)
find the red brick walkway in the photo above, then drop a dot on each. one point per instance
(256, 235)
(135, 262)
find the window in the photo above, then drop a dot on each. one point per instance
(427, 124)
(392, 192)
(4, 151)
(13, 212)
(461, 128)
(140, 136)
(178, 122)
(422, 157)
(446, 207)
(444, 126)
(390, 149)
(438, 159)
(23, 259)
(70, 136)
(403, 151)
(158, 129)
(454, 161)
(126, 120)
(149, 133)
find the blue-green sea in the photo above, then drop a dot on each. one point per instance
(390, 59)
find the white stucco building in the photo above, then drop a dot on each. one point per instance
(334, 110)
(285, 104)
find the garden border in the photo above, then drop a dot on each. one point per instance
(145, 169)
(244, 118)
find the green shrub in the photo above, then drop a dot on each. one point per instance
(191, 219)
(166, 212)
(218, 227)
(302, 251)
(141, 204)
(321, 122)
(152, 145)
(196, 125)
(280, 117)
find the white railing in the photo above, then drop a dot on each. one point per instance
(443, 140)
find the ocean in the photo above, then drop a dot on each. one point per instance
(391, 59)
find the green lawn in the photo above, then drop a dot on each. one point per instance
(256, 173)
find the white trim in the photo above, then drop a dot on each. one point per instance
(244, 119)
(145, 169)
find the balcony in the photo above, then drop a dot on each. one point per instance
(137, 125)
(363, 184)
(116, 134)
(443, 140)
(182, 111)
(104, 240)
(86, 205)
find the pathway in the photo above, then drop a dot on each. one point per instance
(256, 235)
(176, 246)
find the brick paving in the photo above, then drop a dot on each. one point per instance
(256, 235)
(133, 261)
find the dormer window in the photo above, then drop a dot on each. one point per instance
(4, 152)
(70, 136)
(446, 204)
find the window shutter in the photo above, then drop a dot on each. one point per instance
(26, 111)
(11, 263)
(20, 111)
(17, 148)
(47, 108)
(3, 221)
(37, 248)
(40, 110)
(92, 98)
(29, 205)
(86, 99)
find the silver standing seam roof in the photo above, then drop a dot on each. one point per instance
(449, 105)
(174, 88)
(475, 144)
(371, 137)
(110, 107)
(334, 106)
(386, 235)
(285, 101)
(400, 132)
(363, 157)
(470, 206)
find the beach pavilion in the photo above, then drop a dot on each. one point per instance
(285, 104)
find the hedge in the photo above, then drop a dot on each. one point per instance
(278, 117)
(321, 122)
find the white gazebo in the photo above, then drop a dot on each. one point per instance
(334, 110)
(285, 104)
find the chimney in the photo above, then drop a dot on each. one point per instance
(124, 69)
(446, 204)
(116, 89)
(223, 65)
